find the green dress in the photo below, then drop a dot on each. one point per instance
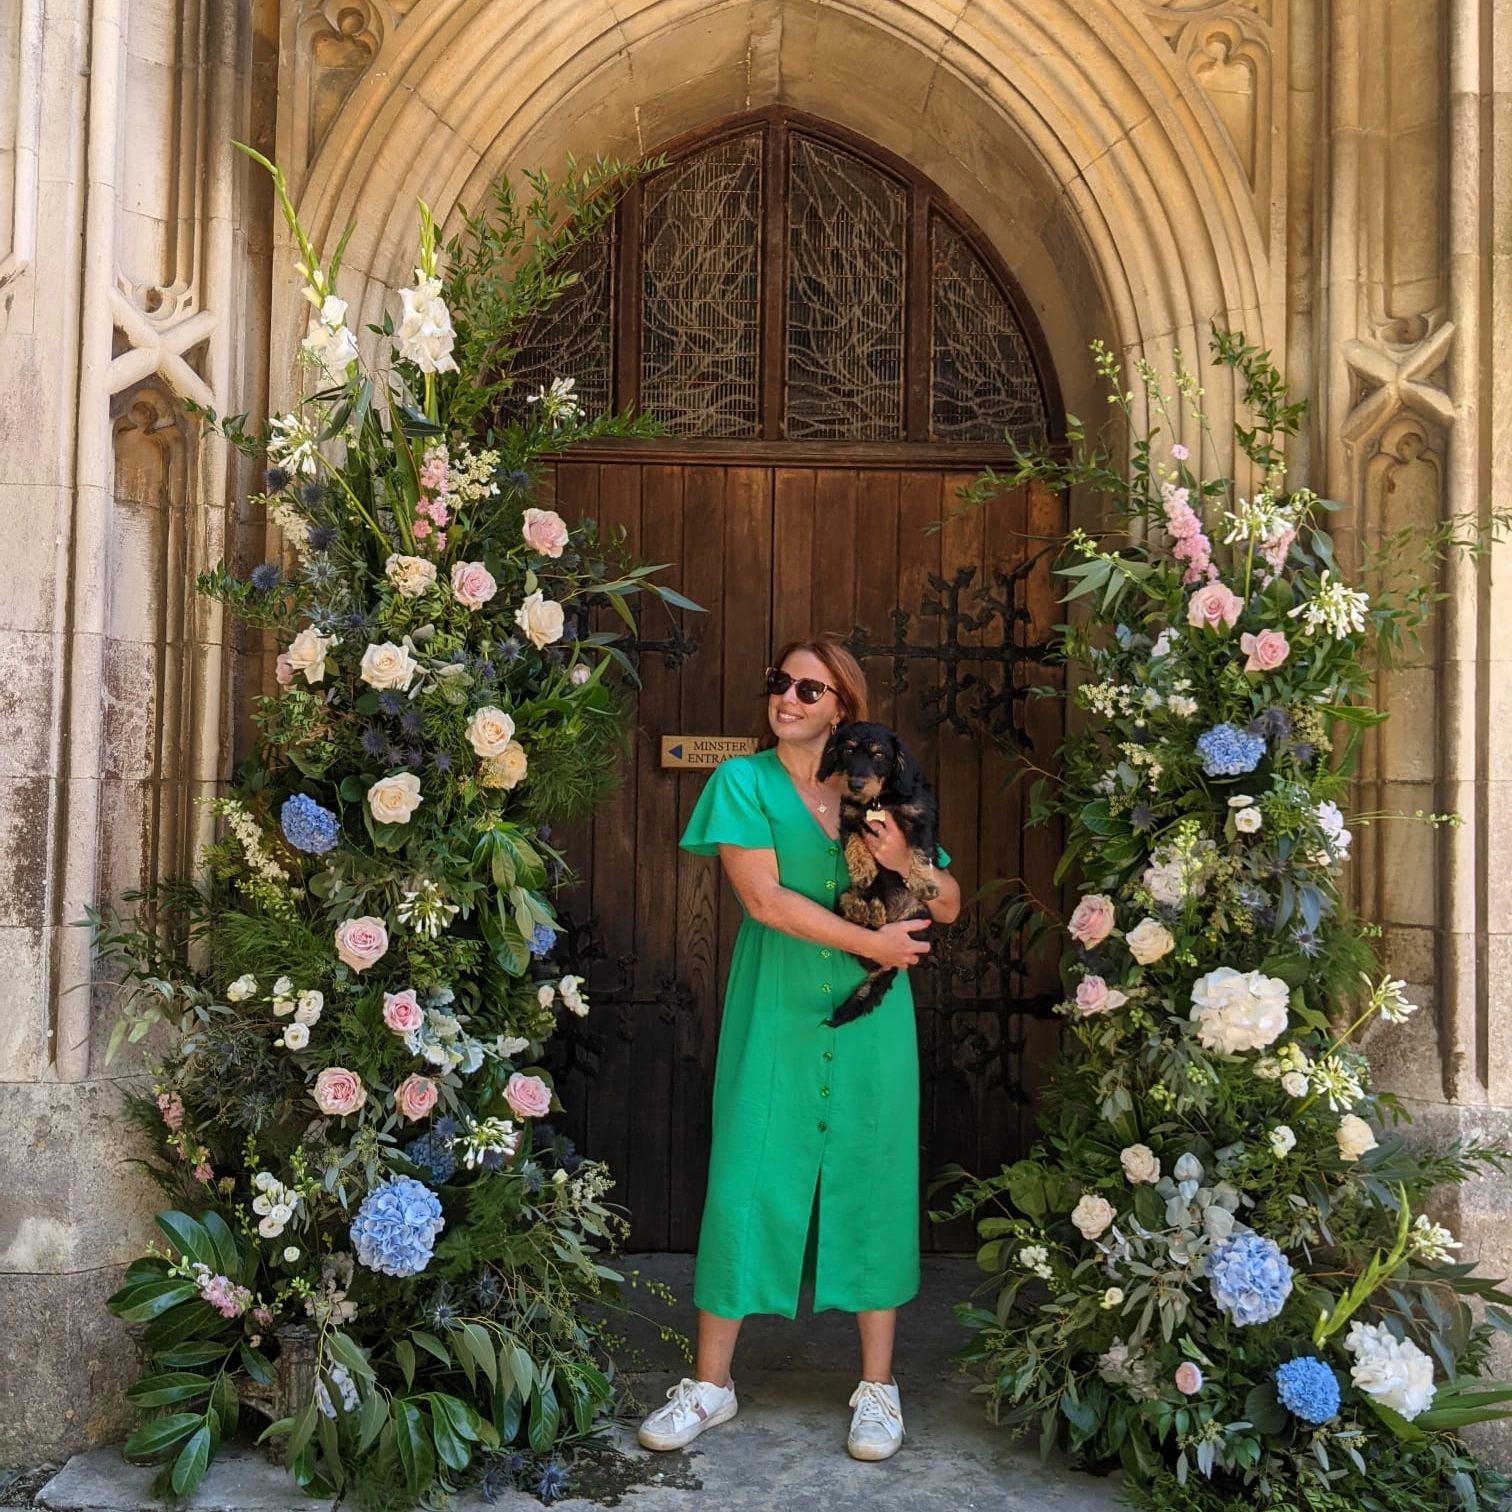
(814, 1164)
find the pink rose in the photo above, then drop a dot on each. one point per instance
(1264, 652)
(473, 584)
(361, 942)
(401, 1012)
(529, 1096)
(282, 671)
(1093, 995)
(1188, 1378)
(1213, 605)
(339, 1091)
(545, 531)
(1092, 920)
(415, 1096)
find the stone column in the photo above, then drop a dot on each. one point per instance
(118, 277)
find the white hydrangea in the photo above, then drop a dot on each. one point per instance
(1394, 1371)
(1238, 1010)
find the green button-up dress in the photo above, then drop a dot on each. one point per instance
(814, 1165)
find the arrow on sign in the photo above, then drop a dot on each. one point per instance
(676, 753)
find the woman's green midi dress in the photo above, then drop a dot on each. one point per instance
(810, 1123)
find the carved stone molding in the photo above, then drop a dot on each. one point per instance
(20, 138)
(1387, 379)
(159, 346)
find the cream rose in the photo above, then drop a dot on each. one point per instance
(410, 575)
(472, 584)
(1214, 606)
(1092, 920)
(415, 1096)
(489, 731)
(541, 619)
(1283, 1140)
(1092, 1215)
(388, 666)
(1140, 1164)
(507, 769)
(1354, 1137)
(545, 531)
(307, 654)
(361, 942)
(393, 800)
(402, 1011)
(1264, 652)
(1149, 940)
(339, 1091)
(529, 1096)
(1093, 995)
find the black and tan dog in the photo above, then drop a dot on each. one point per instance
(880, 777)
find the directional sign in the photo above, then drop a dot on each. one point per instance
(699, 752)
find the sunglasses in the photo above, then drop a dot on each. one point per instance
(810, 689)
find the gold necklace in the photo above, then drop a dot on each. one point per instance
(819, 804)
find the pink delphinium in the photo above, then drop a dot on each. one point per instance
(227, 1298)
(433, 470)
(204, 1171)
(171, 1109)
(1192, 545)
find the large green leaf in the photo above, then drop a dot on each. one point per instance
(138, 1304)
(189, 1239)
(166, 1389)
(229, 1255)
(451, 1448)
(189, 1320)
(153, 1440)
(545, 1419)
(194, 1459)
(416, 1452)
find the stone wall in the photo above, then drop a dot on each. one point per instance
(1332, 178)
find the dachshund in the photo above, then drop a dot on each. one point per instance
(880, 776)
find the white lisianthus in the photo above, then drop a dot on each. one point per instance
(1140, 1164)
(307, 654)
(241, 989)
(425, 336)
(387, 666)
(1112, 1298)
(1394, 1371)
(291, 1254)
(489, 731)
(270, 1228)
(1092, 1215)
(283, 987)
(296, 1036)
(1283, 1140)
(1149, 940)
(308, 1009)
(1248, 821)
(1355, 1137)
(571, 988)
(1331, 822)
(541, 619)
(1238, 1010)
(410, 575)
(1295, 1084)
(394, 799)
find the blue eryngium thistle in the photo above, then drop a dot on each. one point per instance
(264, 577)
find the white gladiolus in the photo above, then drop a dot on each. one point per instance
(329, 339)
(425, 336)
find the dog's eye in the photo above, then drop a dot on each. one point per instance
(878, 751)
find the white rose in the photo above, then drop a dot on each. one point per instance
(1394, 1371)
(1282, 1140)
(1149, 940)
(1248, 821)
(489, 731)
(1140, 1164)
(388, 666)
(1354, 1137)
(291, 1254)
(282, 1006)
(425, 336)
(393, 800)
(541, 619)
(1092, 1215)
(296, 1036)
(507, 769)
(241, 989)
(410, 575)
(270, 1227)
(572, 995)
(1295, 1084)
(1238, 1010)
(1112, 1298)
(307, 653)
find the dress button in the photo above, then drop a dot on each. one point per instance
(825, 987)
(825, 954)
(823, 1127)
(824, 1091)
(829, 1055)
(830, 885)
(834, 850)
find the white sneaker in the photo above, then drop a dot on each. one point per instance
(876, 1430)
(692, 1406)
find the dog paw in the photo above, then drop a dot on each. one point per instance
(854, 908)
(876, 914)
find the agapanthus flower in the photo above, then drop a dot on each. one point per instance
(307, 826)
(1338, 609)
(396, 1226)
(1308, 1389)
(1228, 751)
(559, 404)
(1250, 1279)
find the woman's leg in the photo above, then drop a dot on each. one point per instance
(716, 1347)
(878, 1329)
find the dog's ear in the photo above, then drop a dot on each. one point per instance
(830, 760)
(906, 775)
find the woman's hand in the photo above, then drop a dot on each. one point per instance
(898, 944)
(886, 843)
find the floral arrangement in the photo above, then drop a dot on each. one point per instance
(1216, 1269)
(375, 1228)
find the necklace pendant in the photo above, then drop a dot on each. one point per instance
(824, 808)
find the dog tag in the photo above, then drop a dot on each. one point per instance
(875, 815)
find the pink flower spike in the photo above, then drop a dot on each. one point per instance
(1179, 452)
(421, 528)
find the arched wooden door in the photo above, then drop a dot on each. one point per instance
(833, 353)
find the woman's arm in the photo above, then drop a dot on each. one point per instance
(753, 875)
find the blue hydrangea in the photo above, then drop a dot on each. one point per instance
(1249, 1277)
(1308, 1389)
(432, 1153)
(1228, 751)
(307, 826)
(543, 940)
(396, 1226)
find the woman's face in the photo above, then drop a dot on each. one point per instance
(790, 717)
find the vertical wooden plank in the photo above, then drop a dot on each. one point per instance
(699, 967)
(793, 548)
(876, 553)
(833, 568)
(655, 919)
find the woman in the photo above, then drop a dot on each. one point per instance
(813, 1170)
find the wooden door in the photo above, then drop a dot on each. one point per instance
(950, 627)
